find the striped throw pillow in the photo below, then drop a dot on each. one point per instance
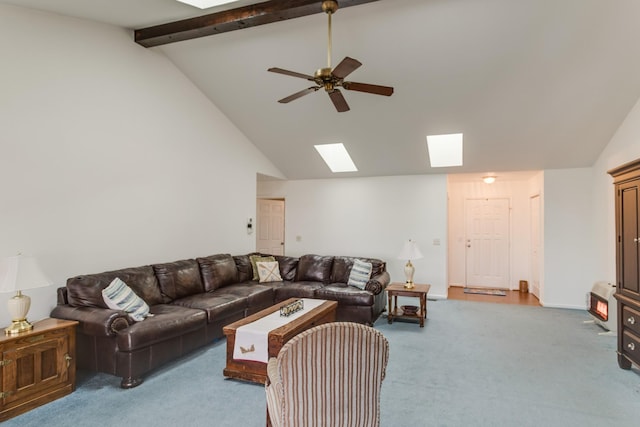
(119, 296)
(360, 274)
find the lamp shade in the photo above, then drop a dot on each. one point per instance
(21, 272)
(410, 251)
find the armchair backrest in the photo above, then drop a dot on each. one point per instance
(329, 375)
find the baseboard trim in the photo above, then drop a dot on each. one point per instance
(564, 306)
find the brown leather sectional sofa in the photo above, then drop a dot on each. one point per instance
(191, 300)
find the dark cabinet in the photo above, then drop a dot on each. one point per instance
(627, 196)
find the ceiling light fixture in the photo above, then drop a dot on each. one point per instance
(336, 157)
(205, 4)
(489, 179)
(445, 150)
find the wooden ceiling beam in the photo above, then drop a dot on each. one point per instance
(233, 19)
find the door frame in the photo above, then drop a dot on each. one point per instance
(535, 262)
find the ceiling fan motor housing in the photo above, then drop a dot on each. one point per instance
(329, 6)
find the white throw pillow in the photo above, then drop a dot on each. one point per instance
(119, 296)
(268, 271)
(360, 274)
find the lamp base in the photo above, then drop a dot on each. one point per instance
(17, 327)
(409, 269)
(18, 307)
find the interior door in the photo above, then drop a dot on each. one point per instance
(270, 227)
(487, 243)
(534, 206)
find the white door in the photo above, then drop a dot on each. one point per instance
(270, 227)
(534, 205)
(487, 242)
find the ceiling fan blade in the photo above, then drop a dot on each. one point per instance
(290, 73)
(299, 94)
(365, 87)
(338, 101)
(346, 67)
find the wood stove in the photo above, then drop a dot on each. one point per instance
(602, 305)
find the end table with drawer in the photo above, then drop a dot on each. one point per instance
(396, 289)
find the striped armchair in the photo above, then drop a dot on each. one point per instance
(328, 376)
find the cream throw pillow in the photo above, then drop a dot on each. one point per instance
(254, 259)
(268, 271)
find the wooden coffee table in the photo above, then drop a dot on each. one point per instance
(257, 371)
(394, 290)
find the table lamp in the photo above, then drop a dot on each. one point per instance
(410, 251)
(16, 274)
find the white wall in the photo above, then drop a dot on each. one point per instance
(110, 157)
(569, 237)
(372, 217)
(369, 217)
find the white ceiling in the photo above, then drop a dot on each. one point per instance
(532, 84)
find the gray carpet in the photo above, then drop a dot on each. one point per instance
(473, 364)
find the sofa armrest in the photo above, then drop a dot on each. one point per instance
(93, 320)
(378, 283)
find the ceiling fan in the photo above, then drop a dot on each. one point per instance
(330, 79)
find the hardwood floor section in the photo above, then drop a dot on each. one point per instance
(512, 297)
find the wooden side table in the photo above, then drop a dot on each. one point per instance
(394, 290)
(37, 366)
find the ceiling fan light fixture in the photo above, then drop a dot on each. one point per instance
(336, 157)
(206, 4)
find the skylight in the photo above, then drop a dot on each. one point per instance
(445, 150)
(336, 157)
(205, 4)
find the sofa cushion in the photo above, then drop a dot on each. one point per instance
(178, 279)
(288, 290)
(243, 265)
(219, 304)
(168, 321)
(259, 296)
(342, 268)
(118, 296)
(360, 274)
(345, 295)
(86, 290)
(218, 271)
(255, 258)
(314, 268)
(287, 266)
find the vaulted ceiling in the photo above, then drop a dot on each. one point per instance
(532, 84)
